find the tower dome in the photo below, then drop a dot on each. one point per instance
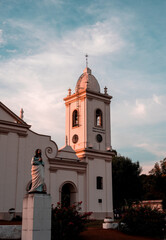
(87, 81)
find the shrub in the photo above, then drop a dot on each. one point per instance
(142, 221)
(68, 222)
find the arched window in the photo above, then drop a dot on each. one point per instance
(99, 182)
(99, 120)
(75, 118)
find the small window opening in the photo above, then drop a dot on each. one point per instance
(75, 118)
(99, 182)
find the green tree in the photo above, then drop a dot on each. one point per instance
(158, 173)
(163, 167)
(150, 190)
(156, 170)
(159, 169)
(126, 181)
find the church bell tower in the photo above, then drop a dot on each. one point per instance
(88, 132)
(88, 115)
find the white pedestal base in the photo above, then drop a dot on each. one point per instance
(36, 217)
(107, 225)
(110, 225)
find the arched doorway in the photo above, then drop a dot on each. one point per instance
(68, 194)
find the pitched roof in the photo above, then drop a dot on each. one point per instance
(6, 115)
(67, 152)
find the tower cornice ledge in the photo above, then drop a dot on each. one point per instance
(89, 94)
(106, 96)
(81, 153)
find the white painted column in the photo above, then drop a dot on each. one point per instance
(36, 217)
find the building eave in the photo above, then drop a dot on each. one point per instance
(13, 124)
(89, 94)
(18, 120)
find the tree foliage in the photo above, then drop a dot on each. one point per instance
(129, 185)
(142, 220)
(126, 181)
(159, 169)
(154, 185)
(68, 222)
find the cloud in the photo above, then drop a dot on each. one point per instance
(98, 39)
(141, 127)
(26, 34)
(139, 110)
(156, 99)
(147, 167)
(156, 149)
(43, 109)
(11, 50)
(1, 37)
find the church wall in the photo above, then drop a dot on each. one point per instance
(54, 188)
(109, 190)
(102, 168)
(3, 150)
(9, 171)
(96, 194)
(81, 179)
(60, 177)
(22, 170)
(64, 177)
(16, 152)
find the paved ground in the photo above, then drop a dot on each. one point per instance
(108, 234)
(97, 233)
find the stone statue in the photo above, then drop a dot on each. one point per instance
(37, 172)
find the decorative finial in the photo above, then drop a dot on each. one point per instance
(21, 113)
(105, 90)
(86, 60)
(69, 92)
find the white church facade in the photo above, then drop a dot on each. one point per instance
(80, 171)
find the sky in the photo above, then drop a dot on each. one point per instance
(42, 53)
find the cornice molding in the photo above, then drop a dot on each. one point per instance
(64, 168)
(92, 153)
(21, 133)
(69, 163)
(88, 94)
(19, 125)
(98, 129)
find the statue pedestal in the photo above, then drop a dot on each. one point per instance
(36, 223)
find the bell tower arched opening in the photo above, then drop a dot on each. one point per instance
(99, 120)
(75, 118)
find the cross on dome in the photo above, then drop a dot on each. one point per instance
(86, 60)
